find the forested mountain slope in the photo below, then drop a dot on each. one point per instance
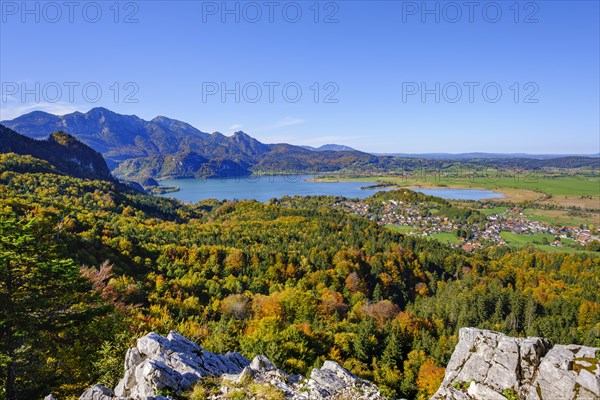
(295, 281)
(62, 150)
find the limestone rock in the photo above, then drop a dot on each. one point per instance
(97, 392)
(485, 365)
(567, 372)
(331, 381)
(171, 363)
(491, 365)
(479, 391)
(174, 364)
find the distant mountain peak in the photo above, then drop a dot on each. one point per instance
(242, 136)
(164, 119)
(37, 112)
(330, 147)
(177, 126)
(100, 111)
(160, 118)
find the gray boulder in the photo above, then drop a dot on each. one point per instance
(171, 363)
(97, 392)
(331, 381)
(567, 372)
(492, 366)
(485, 365)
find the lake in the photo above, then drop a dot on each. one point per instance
(264, 188)
(460, 194)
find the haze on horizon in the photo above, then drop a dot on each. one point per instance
(381, 77)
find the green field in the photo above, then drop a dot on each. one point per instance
(568, 241)
(400, 228)
(492, 210)
(517, 241)
(441, 237)
(579, 186)
(562, 218)
(445, 238)
(581, 190)
(522, 240)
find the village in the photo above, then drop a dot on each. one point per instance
(418, 219)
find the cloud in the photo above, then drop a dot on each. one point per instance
(7, 98)
(282, 123)
(235, 127)
(12, 111)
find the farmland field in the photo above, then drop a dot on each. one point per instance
(493, 210)
(517, 241)
(563, 218)
(577, 190)
(445, 238)
(400, 228)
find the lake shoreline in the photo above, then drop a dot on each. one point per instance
(508, 194)
(265, 187)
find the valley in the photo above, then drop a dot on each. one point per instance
(314, 200)
(360, 282)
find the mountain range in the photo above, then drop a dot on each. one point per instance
(136, 149)
(163, 148)
(330, 147)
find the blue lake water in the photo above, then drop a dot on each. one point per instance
(264, 188)
(460, 194)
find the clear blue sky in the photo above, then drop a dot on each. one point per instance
(376, 57)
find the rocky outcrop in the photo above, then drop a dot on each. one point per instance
(491, 365)
(331, 381)
(171, 363)
(485, 365)
(160, 367)
(567, 372)
(97, 392)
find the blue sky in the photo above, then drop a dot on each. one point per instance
(371, 61)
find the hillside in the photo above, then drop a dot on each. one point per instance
(296, 281)
(120, 137)
(180, 165)
(285, 157)
(67, 154)
(137, 149)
